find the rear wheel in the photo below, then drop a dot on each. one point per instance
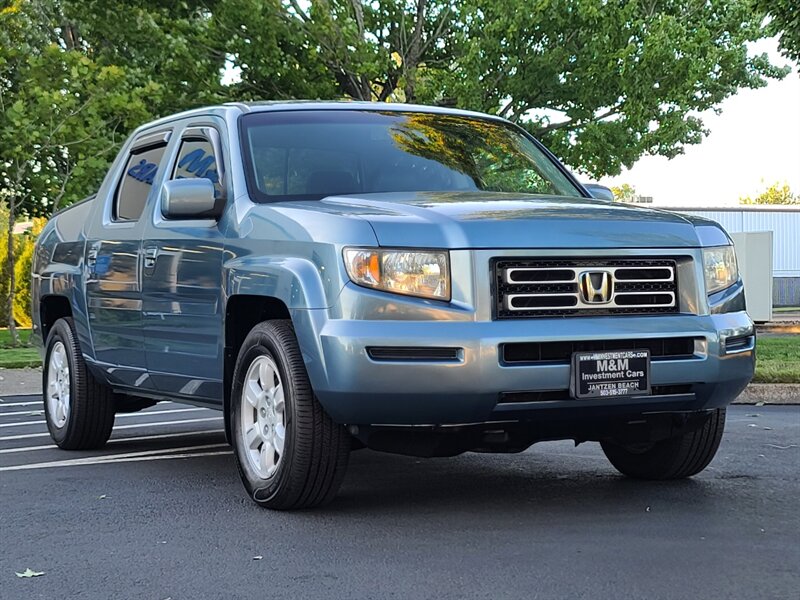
(79, 409)
(289, 452)
(675, 458)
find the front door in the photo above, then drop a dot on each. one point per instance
(113, 267)
(182, 283)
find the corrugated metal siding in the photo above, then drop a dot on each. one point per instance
(786, 291)
(785, 226)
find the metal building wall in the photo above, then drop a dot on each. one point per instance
(785, 225)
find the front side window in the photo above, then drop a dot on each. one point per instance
(137, 181)
(196, 159)
(308, 155)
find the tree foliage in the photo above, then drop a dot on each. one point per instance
(785, 15)
(62, 116)
(775, 194)
(24, 262)
(624, 193)
(604, 82)
(600, 82)
(164, 46)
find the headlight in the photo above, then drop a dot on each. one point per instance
(415, 273)
(720, 268)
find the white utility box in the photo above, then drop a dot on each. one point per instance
(754, 253)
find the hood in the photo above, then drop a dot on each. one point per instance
(498, 220)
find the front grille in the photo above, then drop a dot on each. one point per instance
(562, 395)
(584, 286)
(677, 348)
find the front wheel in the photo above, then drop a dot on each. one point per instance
(674, 458)
(289, 452)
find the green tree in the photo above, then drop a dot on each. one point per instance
(160, 44)
(775, 194)
(624, 193)
(61, 117)
(385, 51)
(785, 15)
(604, 82)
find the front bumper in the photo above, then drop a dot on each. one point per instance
(355, 389)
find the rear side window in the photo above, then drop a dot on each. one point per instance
(140, 172)
(196, 159)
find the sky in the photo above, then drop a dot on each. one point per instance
(752, 144)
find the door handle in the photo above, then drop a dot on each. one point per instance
(150, 256)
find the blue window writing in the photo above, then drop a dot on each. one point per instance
(144, 171)
(198, 163)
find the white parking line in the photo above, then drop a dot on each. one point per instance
(126, 457)
(137, 414)
(22, 412)
(133, 414)
(26, 436)
(4, 404)
(140, 438)
(39, 402)
(22, 424)
(163, 412)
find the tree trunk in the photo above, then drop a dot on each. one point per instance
(12, 283)
(414, 54)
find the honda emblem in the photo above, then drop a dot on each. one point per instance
(597, 287)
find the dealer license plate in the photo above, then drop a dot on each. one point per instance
(610, 374)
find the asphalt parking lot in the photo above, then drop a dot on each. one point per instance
(160, 513)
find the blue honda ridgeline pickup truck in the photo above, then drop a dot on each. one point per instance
(410, 279)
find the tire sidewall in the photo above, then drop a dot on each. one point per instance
(61, 332)
(262, 490)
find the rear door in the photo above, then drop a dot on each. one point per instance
(182, 278)
(113, 264)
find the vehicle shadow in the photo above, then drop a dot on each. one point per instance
(530, 482)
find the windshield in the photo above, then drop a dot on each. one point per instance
(308, 155)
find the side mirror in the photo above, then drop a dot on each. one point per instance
(188, 199)
(598, 191)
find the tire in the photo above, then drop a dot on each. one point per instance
(675, 458)
(289, 453)
(78, 408)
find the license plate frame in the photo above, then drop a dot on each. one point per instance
(610, 374)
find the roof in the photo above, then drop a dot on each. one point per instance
(283, 105)
(272, 105)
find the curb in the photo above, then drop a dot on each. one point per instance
(770, 393)
(779, 326)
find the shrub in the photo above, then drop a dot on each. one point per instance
(22, 271)
(4, 279)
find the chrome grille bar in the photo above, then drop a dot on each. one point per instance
(575, 271)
